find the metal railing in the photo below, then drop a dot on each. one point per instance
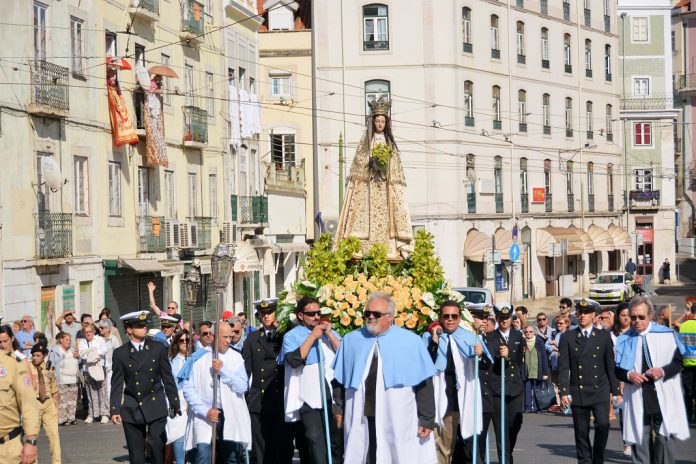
(523, 127)
(571, 202)
(468, 48)
(568, 68)
(610, 202)
(250, 209)
(499, 205)
(590, 202)
(195, 124)
(588, 72)
(521, 59)
(589, 135)
(548, 201)
(610, 136)
(646, 199)
(547, 130)
(53, 235)
(150, 5)
(545, 64)
(50, 85)
(495, 53)
(607, 77)
(193, 18)
(497, 124)
(152, 237)
(647, 103)
(569, 132)
(686, 82)
(376, 45)
(519, 3)
(524, 201)
(471, 203)
(203, 231)
(468, 121)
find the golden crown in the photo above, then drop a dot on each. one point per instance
(380, 106)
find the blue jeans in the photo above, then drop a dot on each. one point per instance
(229, 452)
(179, 452)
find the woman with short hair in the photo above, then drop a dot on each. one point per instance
(66, 366)
(179, 350)
(92, 351)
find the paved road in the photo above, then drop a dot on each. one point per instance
(545, 438)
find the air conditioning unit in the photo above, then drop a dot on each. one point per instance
(193, 234)
(173, 237)
(184, 234)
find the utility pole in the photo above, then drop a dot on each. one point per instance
(341, 162)
(315, 129)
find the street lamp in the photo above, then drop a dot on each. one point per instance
(221, 263)
(191, 283)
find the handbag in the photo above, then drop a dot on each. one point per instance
(545, 395)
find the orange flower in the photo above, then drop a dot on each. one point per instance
(411, 323)
(358, 322)
(345, 321)
(351, 312)
(425, 310)
(399, 322)
(403, 316)
(335, 313)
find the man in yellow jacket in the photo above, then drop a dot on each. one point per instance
(46, 391)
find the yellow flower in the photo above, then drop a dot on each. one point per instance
(419, 304)
(345, 321)
(330, 302)
(356, 304)
(388, 289)
(399, 322)
(411, 323)
(338, 295)
(425, 310)
(343, 306)
(415, 315)
(408, 303)
(351, 298)
(399, 307)
(335, 313)
(358, 322)
(351, 312)
(403, 316)
(362, 297)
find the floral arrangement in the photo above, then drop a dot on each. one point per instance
(341, 284)
(382, 153)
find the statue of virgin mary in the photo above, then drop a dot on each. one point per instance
(375, 208)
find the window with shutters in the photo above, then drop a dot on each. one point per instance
(639, 29)
(143, 191)
(588, 58)
(642, 134)
(607, 62)
(569, 116)
(496, 107)
(192, 190)
(641, 86)
(169, 195)
(469, 102)
(567, 57)
(544, 48)
(77, 45)
(643, 180)
(81, 175)
(546, 113)
(375, 27)
(520, 39)
(588, 118)
(115, 205)
(213, 196)
(495, 37)
(590, 178)
(522, 109)
(466, 30)
(40, 31)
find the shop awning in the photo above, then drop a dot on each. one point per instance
(503, 240)
(587, 244)
(551, 235)
(290, 247)
(600, 238)
(622, 241)
(142, 265)
(476, 245)
(247, 258)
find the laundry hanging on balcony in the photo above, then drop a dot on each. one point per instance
(122, 127)
(249, 114)
(234, 117)
(156, 146)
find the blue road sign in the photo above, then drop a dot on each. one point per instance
(514, 252)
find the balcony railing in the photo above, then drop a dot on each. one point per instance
(53, 235)
(547, 130)
(523, 127)
(632, 103)
(569, 132)
(566, 11)
(286, 177)
(195, 125)
(370, 45)
(568, 68)
(645, 199)
(524, 201)
(468, 48)
(588, 73)
(468, 121)
(519, 3)
(151, 234)
(610, 136)
(250, 209)
(149, 5)
(499, 207)
(548, 200)
(686, 83)
(50, 93)
(589, 135)
(607, 23)
(193, 18)
(521, 59)
(590, 202)
(571, 202)
(610, 202)
(146, 10)
(607, 77)
(545, 64)
(497, 125)
(202, 225)
(471, 203)
(588, 17)
(495, 53)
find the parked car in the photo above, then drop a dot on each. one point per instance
(612, 287)
(475, 294)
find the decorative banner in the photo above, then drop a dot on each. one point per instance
(48, 311)
(538, 195)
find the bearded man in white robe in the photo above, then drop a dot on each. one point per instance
(387, 374)
(649, 361)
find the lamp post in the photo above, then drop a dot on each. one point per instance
(221, 262)
(191, 283)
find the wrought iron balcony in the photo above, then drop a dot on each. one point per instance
(545, 64)
(200, 228)
(548, 199)
(471, 203)
(50, 94)
(524, 201)
(607, 77)
(152, 236)
(468, 48)
(547, 130)
(571, 202)
(589, 135)
(686, 83)
(633, 103)
(610, 202)
(523, 127)
(521, 59)
(192, 22)
(569, 132)
(499, 206)
(250, 209)
(468, 121)
(370, 45)
(495, 53)
(147, 10)
(588, 72)
(519, 3)
(53, 235)
(497, 125)
(195, 126)
(648, 199)
(568, 68)
(590, 202)
(610, 136)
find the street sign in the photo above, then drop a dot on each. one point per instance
(554, 250)
(496, 256)
(514, 252)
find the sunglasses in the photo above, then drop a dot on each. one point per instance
(236, 331)
(540, 319)
(171, 307)
(24, 321)
(640, 318)
(450, 316)
(183, 340)
(205, 334)
(312, 313)
(374, 314)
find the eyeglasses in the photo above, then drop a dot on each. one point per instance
(639, 317)
(205, 334)
(24, 320)
(374, 314)
(562, 307)
(540, 319)
(450, 316)
(171, 307)
(312, 313)
(560, 323)
(237, 331)
(183, 340)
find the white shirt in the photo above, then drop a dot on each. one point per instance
(137, 346)
(586, 332)
(506, 335)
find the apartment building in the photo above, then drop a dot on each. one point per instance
(505, 115)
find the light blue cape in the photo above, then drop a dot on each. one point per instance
(405, 361)
(296, 337)
(464, 340)
(185, 371)
(626, 345)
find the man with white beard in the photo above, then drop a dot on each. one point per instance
(389, 397)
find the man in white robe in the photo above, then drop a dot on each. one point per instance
(649, 361)
(231, 416)
(389, 398)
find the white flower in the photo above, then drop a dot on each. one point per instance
(293, 317)
(308, 284)
(325, 310)
(324, 293)
(291, 299)
(433, 316)
(358, 314)
(456, 296)
(428, 299)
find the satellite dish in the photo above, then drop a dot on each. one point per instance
(51, 173)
